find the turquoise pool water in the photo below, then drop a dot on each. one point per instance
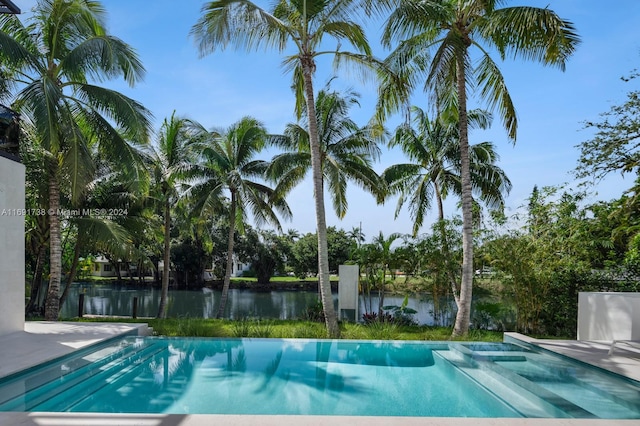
(320, 377)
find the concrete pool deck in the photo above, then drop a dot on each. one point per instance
(42, 341)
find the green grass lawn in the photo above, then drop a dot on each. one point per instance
(198, 327)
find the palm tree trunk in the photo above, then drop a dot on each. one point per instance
(229, 268)
(72, 271)
(36, 283)
(445, 245)
(52, 304)
(461, 326)
(324, 284)
(164, 294)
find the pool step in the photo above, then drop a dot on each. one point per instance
(616, 390)
(481, 368)
(58, 374)
(96, 379)
(523, 400)
(44, 387)
(131, 382)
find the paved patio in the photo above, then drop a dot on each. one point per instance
(43, 341)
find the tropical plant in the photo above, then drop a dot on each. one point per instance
(170, 162)
(52, 59)
(228, 168)
(305, 24)
(614, 147)
(346, 151)
(450, 29)
(433, 146)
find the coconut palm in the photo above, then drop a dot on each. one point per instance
(228, 168)
(305, 24)
(434, 172)
(53, 59)
(356, 235)
(346, 151)
(171, 161)
(449, 29)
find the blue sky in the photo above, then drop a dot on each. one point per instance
(221, 88)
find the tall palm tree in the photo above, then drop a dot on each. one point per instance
(449, 29)
(434, 172)
(171, 160)
(53, 59)
(305, 24)
(228, 168)
(346, 151)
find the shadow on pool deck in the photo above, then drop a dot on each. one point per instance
(42, 341)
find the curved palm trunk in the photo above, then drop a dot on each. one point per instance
(461, 326)
(324, 284)
(52, 304)
(227, 274)
(164, 294)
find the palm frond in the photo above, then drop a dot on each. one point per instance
(532, 33)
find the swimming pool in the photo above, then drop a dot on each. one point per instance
(320, 377)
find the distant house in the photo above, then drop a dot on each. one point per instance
(239, 268)
(103, 268)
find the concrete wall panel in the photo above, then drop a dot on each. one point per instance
(608, 316)
(12, 211)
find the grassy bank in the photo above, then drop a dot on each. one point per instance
(197, 327)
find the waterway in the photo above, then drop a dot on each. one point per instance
(117, 300)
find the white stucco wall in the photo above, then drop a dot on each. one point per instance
(608, 316)
(11, 246)
(348, 290)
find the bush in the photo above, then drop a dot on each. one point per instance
(314, 312)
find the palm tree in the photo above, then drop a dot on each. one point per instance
(434, 172)
(228, 167)
(346, 151)
(385, 253)
(171, 160)
(356, 235)
(305, 24)
(52, 60)
(449, 29)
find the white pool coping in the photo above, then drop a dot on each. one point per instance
(42, 341)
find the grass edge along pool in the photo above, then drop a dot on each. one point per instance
(320, 377)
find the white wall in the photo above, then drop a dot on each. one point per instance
(11, 246)
(608, 316)
(348, 290)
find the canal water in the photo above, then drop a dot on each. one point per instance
(117, 300)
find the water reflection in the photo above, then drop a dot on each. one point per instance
(117, 300)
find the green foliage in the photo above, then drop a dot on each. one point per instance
(189, 259)
(614, 148)
(632, 257)
(268, 253)
(564, 248)
(314, 313)
(305, 251)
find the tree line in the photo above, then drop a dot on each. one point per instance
(87, 145)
